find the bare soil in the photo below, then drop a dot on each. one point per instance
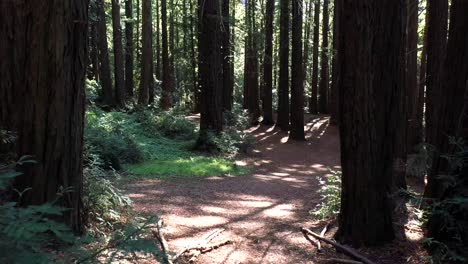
(262, 212)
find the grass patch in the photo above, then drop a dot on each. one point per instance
(191, 167)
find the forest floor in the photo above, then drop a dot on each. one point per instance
(262, 212)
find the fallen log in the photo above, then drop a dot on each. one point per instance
(205, 249)
(163, 242)
(346, 250)
(345, 261)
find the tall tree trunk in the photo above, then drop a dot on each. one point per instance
(195, 88)
(419, 129)
(147, 54)
(412, 74)
(119, 78)
(129, 81)
(283, 89)
(93, 71)
(228, 82)
(436, 51)
(334, 102)
(254, 93)
(210, 39)
(448, 106)
(268, 65)
(172, 48)
(42, 96)
(158, 54)
(308, 26)
(107, 95)
(167, 80)
(370, 83)
(313, 104)
(297, 82)
(324, 69)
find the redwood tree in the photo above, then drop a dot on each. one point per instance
(211, 72)
(369, 48)
(268, 65)
(129, 81)
(42, 96)
(297, 82)
(283, 86)
(436, 51)
(313, 107)
(147, 54)
(166, 78)
(106, 96)
(119, 78)
(450, 104)
(324, 69)
(228, 79)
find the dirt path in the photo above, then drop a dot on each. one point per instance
(262, 211)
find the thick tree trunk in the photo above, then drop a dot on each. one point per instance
(42, 96)
(93, 71)
(369, 86)
(436, 51)
(228, 81)
(297, 82)
(119, 78)
(450, 103)
(283, 89)
(324, 69)
(334, 102)
(107, 95)
(147, 54)
(268, 65)
(412, 74)
(167, 80)
(313, 107)
(211, 72)
(129, 81)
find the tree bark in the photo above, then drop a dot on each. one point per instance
(324, 69)
(313, 104)
(158, 54)
(147, 54)
(450, 103)
(412, 74)
(211, 72)
(228, 81)
(283, 89)
(436, 52)
(107, 95)
(119, 78)
(129, 81)
(369, 86)
(167, 80)
(42, 70)
(307, 34)
(334, 102)
(195, 88)
(268, 65)
(297, 82)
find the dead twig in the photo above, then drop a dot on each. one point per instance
(348, 251)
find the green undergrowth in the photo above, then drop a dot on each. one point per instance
(195, 166)
(150, 144)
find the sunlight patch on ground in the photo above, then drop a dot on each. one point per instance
(280, 211)
(284, 140)
(201, 221)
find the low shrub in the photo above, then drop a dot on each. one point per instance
(330, 191)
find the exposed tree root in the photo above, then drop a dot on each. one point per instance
(346, 250)
(345, 261)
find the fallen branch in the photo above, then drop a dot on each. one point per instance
(316, 243)
(163, 242)
(346, 261)
(348, 251)
(205, 249)
(210, 236)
